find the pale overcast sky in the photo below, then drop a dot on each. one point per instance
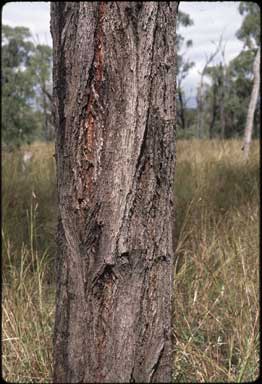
(34, 15)
(211, 19)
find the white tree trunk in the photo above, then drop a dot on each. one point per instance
(252, 106)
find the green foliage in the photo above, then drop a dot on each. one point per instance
(241, 66)
(249, 31)
(240, 75)
(22, 73)
(183, 67)
(232, 86)
(17, 85)
(184, 20)
(41, 66)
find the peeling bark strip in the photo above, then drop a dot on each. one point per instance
(114, 104)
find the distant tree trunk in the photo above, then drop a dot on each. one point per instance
(222, 99)
(200, 107)
(114, 101)
(49, 118)
(181, 108)
(214, 111)
(222, 115)
(252, 105)
(46, 128)
(200, 92)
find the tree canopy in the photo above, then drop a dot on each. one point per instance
(249, 31)
(26, 66)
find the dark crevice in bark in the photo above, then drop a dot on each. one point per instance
(156, 365)
(97, 39)
(143, 143)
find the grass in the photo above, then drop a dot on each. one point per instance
(216, 304)
(216, 288)
(28, 249)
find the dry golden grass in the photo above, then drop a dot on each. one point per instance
(216, 279)
(216, 288)
(29, 216)
(27, 316)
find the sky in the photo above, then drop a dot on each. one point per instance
(211, 19)
(34, 15)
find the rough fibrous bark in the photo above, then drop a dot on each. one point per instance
(114, 105)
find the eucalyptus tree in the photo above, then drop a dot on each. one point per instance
(114, 104)
(249, 33)
(203, 87)
(41, 70)
(26, 72)
(18, 121)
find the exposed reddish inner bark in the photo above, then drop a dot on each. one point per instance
(100, 47)
(90, 121)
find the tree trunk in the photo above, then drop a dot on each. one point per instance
(200, 91)
(222, 101)
(214, 111)
(252, 106)
(181, 108)
(200, 108)
(114, 103)
(46, 128)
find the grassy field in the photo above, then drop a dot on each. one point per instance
(216, 303)
(28, 250)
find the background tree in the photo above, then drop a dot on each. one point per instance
(41, 69)
(216, 96)
(26, 72)
(18, 121)
(239, 91)
(249, 33)
(202, 90)
(227, 95)
(183, 67)
(214, 73)
(252, 105)
(114, 101)
(223, 94)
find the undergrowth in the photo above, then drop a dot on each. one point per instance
(216, 304)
